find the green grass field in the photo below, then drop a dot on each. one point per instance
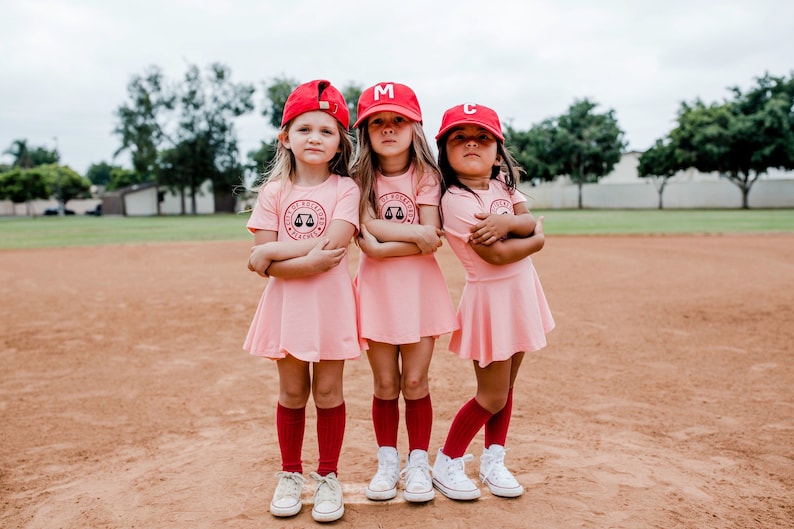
(41, 232)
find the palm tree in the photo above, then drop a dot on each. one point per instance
(19, 150)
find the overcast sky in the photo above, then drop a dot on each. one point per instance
(65, 64)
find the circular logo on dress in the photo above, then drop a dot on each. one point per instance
(397, 207)
(501, 206)
(305, 219)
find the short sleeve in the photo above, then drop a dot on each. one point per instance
(348, 197)
(265, 213)
(428, 190)
(458, 209)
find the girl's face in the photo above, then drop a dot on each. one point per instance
(471, 151)
(313, 137)
(390, 133)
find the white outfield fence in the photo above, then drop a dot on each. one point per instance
(717, 194)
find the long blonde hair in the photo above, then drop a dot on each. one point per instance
(283, 165)
(366, 164)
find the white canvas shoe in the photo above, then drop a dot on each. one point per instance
(383, 485)
(287, 496)
(418, 486)
(494, 473)
(329, 505)
(449, 477)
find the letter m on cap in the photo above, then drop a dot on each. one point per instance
(383, 90)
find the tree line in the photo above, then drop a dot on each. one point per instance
(182, 134)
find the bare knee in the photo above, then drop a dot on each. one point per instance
(414, 387)
(328, 395)
(493, 403)
(387, 388)
(294, 396)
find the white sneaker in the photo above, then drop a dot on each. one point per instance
(383, 485)
(418, 484)
(494, 473)
(287, 496)
(449, 476)
(328, 502)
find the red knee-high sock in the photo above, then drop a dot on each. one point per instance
(386, 420)
(419, 423)
(330, 434)
(290, 426)
(496, 427)
(467, 423)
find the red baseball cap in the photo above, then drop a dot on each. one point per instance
(388, 97)
(316, 95)
(471, 113)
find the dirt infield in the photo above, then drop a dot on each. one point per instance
(665, 398)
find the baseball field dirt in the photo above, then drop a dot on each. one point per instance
(665, 398)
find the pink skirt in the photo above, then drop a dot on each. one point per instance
(403, 299)
(501, 317)
(311, 318)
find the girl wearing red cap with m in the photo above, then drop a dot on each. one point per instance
(305, 217)
(502, 312)
(404, 304)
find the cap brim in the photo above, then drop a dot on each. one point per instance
(486, 126)
(388, 107)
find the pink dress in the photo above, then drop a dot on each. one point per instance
(502, 308)
(312, 318)
(403, 299)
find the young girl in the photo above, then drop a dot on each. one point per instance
(502, 312)
(304, 219)
(404, 303)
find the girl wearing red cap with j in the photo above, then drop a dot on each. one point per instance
(404, 303)
(502, 312)
(304, 219)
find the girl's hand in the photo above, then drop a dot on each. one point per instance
(539, 228)
(323, 260)
(259, 261)
(428, 238)
(367, 242)
(491, 228)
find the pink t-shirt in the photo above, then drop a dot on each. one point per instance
(298, 212)
(312, 318)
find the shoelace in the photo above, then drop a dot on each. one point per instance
(416, 471)
(290, 485)
(497, 469)
(328, 488)
(457, 471)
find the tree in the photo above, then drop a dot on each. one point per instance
(44, 156)
(64, 183)
(142, 119)
(99, 173)
(742, 138)
(206, 145)
(24, 185)
(587, 145)
(659, 163)
(120, 177)
(276, 97)
(26, 157)
(19, 150)
(534, 150)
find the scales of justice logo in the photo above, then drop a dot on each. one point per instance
(501, 206)
(305, 219)
(397, 207)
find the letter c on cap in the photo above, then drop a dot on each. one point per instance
(386, 90)
(469, 108)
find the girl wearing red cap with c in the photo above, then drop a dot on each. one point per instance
(305, 217)
(404, 303)
(502, 312)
